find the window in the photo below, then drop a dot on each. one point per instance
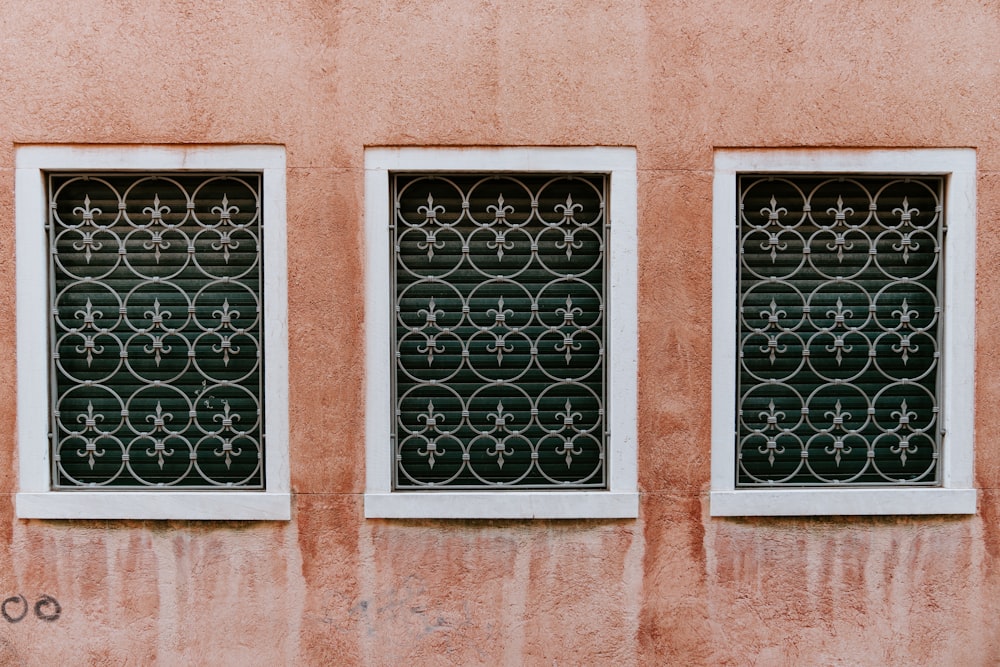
(501, 333)
(142, 299)
(843, 332)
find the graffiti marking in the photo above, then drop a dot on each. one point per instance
(14, 599)
(47, 601)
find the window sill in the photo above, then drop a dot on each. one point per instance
(179, 505)
(843, 501)
(502, 505)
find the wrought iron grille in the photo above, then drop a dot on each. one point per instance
(839, 312)
(155, 330)
(500, 331)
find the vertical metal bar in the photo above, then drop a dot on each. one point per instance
(940, 332)
(50, 328)
(606, 331)
(261, 349)
(739, 328)
(393, 324)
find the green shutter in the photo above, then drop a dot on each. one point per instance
(839, 312)
(156, 330)
(499, 331)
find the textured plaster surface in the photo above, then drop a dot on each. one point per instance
(675, 79)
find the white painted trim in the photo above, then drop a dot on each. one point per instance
(621, 500)
(35, 498)
(843, 501)
(177, 505)
(277, 472)
(957, 494)
(378, 352)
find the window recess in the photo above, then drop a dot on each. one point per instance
(839, 315)
(155, 330)
(500, 330)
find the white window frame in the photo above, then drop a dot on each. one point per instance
(956, 494)
(35, 497)
(621, 498)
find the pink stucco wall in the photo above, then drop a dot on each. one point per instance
(675, 79)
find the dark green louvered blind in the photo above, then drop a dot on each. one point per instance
(839, 314)
(499, 331)
(155, 330)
